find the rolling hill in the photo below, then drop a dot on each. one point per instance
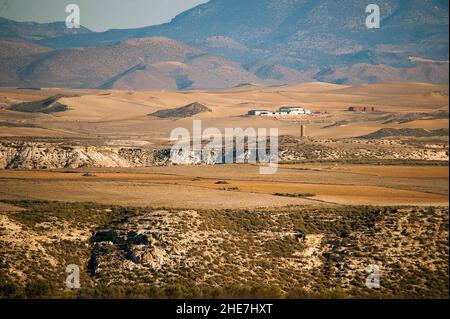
(140, 64)
(182, 112)
(15, 55)
(223, 43)
(46, 106)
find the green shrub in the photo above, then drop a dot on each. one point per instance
(37, 289)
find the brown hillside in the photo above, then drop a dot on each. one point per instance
(47, 106)
(142, 64)
(182, 112)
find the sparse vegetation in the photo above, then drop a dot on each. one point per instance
(295, 195)
(128, 252)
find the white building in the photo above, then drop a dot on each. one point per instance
(292, 110)
(260, 112)
(282, 111)
(287, 110)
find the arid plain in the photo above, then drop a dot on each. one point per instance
(86, 179)
(121, 119)
(107, 190)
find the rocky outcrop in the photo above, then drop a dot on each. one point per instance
(47, 155)
(301, 251)
(36, 155)
(364, 150)
(140, 248)
(51, 156)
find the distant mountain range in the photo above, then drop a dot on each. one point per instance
(223, 43)
(34, 31)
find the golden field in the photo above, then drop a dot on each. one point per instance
(203, 187)
(123, 115)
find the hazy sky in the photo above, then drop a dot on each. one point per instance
(98, 15)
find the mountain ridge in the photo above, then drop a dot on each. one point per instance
(264, 41)
(35, 31)
(153, 63)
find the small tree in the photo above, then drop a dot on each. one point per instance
(37, 289)
(8, 290)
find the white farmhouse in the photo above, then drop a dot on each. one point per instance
(288, 110)
(282, 111)
(292, 110)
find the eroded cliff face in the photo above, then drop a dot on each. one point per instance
(52, 155)
(37, 155)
